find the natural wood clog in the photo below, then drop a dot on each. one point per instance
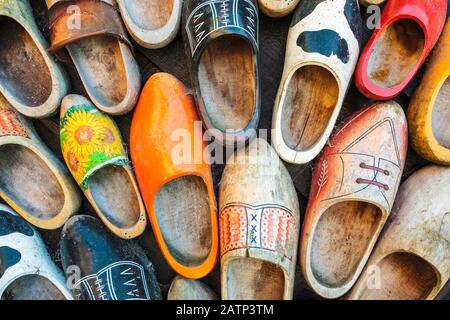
(167, 151)
(429, 111)
(97, 43)
(189, 289)
(353, 189)
(32, 179)
(321, 54)
(277, 8)
(29, 77)
(408, 31)
(222, 47)
(411, 261)
(26, 270)
(105, 267)
(92, 148)
(259, 226)
(153, 24)
(367, 3)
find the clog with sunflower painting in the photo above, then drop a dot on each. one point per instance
(92, 148)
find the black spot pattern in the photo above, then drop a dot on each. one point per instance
(353, 17)
(10, 223)
(304, 9)
(8, 258)
(326, 42)
(351, 12)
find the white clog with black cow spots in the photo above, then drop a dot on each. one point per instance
(321, 55)
(26, 270)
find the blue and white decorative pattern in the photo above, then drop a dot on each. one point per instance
(123, 280)
(23, 253)
(214, 15)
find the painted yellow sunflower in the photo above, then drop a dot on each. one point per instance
(78, 167)
(112, 140)
(84, 134)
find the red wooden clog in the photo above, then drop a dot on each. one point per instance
(409, 30)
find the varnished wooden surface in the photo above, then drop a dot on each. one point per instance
(172, 59)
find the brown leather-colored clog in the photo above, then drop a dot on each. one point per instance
(97, 43)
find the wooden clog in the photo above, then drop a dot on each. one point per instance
(32, 82)
(411, 260)
(92, 148)
(27, 271)
(189, 289)
(259, 226)
(408, 31)
(429, 111)
(321, 54)
(178, 190)
(153, 24)
(97, 44)
(367, 3)
(353, 189)
(277, 8)
(222, 47)
(32, 179)
(107, 268)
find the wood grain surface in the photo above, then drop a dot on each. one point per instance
(172, 59)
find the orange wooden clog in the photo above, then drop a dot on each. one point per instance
(429, 111)
(177, 190)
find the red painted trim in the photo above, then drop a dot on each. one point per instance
(429, 14)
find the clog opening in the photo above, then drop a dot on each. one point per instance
(32, 287)
(116, 197)
(253, 279)
(101, 66)
(396, 53)
(441, 115)
(28, 182)
(182, 209)
(226, 75)
(149, 15)
(401, 276)
(341, 239)
(23, 70)
(311, 98)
